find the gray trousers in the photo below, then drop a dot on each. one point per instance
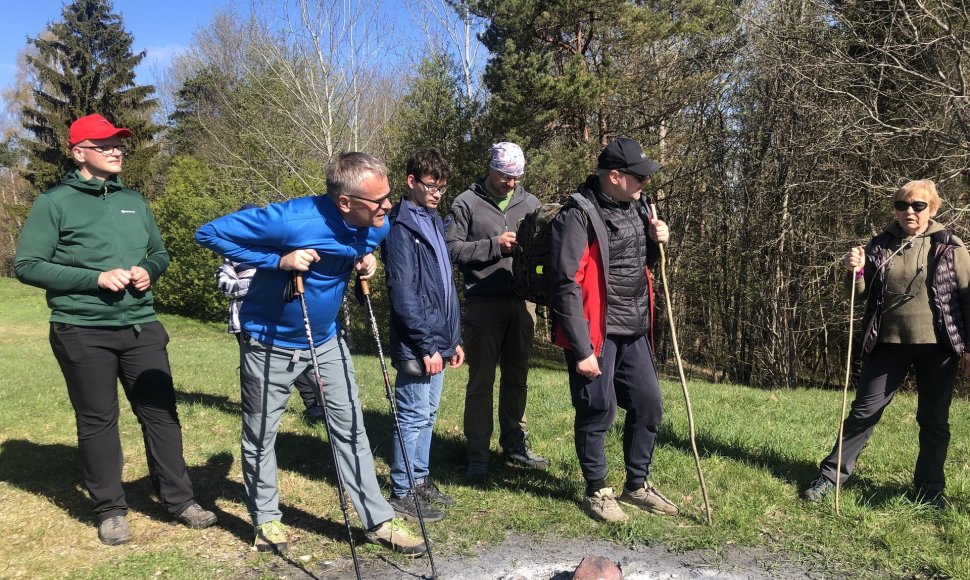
(267, 375)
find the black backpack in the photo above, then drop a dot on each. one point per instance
(531, 255)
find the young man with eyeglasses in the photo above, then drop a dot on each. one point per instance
(425, 318)
(604, 245)
(326, 238)
(94, 246)
(499, 326)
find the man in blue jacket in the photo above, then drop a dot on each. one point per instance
(424, 327)
(326, 237)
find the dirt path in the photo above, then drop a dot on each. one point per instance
(523, 558)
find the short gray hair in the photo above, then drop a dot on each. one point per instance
(348, 170)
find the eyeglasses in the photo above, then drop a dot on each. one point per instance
(639, 178)
(104, 149)
(505, 178)
(377, 202)
(917, 206)
(433, 188)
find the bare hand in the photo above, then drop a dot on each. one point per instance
(965, 364)
(298, 260)
(589, 367)
(114, 280)
(855, 259)
(140, 278)
(366, 266)
(433, 364)
(659, 231)
(457, 358)
(507, 242)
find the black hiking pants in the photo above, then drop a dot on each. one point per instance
(883, 371)
(629, 381)
(92, 360)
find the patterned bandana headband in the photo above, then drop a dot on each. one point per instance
(508, 159)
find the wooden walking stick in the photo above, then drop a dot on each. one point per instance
(845, 396)
(680, 370)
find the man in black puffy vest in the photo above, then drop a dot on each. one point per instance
(601, 298)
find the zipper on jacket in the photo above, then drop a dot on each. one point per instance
(114, 228)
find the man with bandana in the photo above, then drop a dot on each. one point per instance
(499, 327)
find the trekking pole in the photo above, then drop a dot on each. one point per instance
(298, 284)
(680, 369)
(845, 397)
(908, 243)
(365, 288)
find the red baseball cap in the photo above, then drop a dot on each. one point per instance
(94, 127)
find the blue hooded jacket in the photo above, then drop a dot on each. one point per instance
(259, 237)
(424, 319)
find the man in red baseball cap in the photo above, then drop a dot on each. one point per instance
(94, 246)
(94, 126)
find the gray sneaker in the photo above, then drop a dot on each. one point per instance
(404, 508)
(649, 498)
(521, 454)
(602, 506)
(430, 493)
(818, 489)
(196, 518)
(114, 531)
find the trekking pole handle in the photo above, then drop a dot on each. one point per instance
(298, 281)
(364, 286)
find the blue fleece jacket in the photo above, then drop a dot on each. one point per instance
(259, 237)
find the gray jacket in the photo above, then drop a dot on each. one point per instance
(473, 223)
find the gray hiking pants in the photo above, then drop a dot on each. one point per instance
(267, 375)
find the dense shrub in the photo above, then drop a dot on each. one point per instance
(192, 197)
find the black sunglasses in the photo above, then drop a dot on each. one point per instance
(638, 177)
(377, 202)
(917, 206)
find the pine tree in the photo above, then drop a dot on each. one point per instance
(85, 65)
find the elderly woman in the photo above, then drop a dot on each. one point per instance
(917, 316)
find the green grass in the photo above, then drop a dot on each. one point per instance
(759, 447)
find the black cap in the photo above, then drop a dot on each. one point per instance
(627, 154)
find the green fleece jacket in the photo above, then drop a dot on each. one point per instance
(80, 228)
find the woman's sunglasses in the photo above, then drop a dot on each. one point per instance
(917, 206)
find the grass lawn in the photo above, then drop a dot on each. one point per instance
(758, 447)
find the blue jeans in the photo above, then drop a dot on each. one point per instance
(417, 400)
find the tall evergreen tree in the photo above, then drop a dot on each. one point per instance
(435, 112)
(85, 65)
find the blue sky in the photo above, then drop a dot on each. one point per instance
(161, 28)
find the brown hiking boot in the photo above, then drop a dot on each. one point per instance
(602, 506)
(395, 535)
(649, 498)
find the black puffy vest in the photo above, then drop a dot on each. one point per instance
(944, 299)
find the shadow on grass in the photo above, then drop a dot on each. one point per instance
(798, 473)
(220, 403)
(53, 471)
(310, 455)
